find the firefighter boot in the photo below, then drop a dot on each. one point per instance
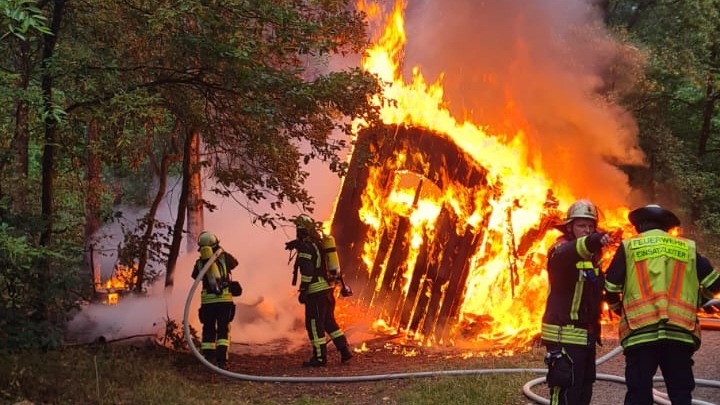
(341, 344)
(222, 356)
(209, 355)
(345, 354)
(316, 361)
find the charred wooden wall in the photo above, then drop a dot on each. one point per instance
(439, 275)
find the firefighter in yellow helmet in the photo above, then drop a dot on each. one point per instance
(571, 323)
(217, 309)
(316, 292)
(655, 282)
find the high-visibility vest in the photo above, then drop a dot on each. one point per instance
(661, 289)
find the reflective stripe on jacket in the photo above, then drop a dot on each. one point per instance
(573, 306)
(312, 274)
(660, 295)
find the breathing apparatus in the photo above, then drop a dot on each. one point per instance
(307, 227)
(207, 241)
(332, 263)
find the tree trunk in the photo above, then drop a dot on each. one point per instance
(22, 135)
(181, 211)
(48, 158)
(195, 217)
(161, 172)
(92, 204)
(710, 99)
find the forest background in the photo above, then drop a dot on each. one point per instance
(111, 106)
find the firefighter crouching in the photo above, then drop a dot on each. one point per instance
(316, 292)
(217, 309)
(571, 322)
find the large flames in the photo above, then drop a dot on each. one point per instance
(501, 205)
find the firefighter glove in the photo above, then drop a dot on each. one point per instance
(302, 297)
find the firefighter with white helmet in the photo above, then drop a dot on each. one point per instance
(655, 282)
(571, 322)
(217, 309)
(316, 292)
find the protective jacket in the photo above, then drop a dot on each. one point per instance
(225, 263)
(317, 294)
(309, 262)
(572, 311)
(659, 277)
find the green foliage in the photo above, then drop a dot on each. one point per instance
(676, 102)
(33, 305)
(19, 16)
(174, 336)
(252, 78)
(133, 245)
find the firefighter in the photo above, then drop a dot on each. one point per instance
(217, 309)
(571, 323)
(655, 282)
(316, 292)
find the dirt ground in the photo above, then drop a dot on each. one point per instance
(384, 356)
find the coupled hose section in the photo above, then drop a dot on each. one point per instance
(660, 397)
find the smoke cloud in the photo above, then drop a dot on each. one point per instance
(544, 67)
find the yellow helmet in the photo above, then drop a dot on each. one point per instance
(581, 209)
(207, 238)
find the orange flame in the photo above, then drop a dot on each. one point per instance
(122, 280)
(513, 205)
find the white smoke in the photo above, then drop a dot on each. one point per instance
(266, 313)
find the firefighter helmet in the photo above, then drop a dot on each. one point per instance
(306, 223)
(654, 213)
(306, 226)
(207, 238)
(581, 209)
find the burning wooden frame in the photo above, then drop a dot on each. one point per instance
(411, 270)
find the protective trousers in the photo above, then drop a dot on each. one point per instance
(215, 319)
(675, 362)
(578, 391)
(333, 329)
(317, 314)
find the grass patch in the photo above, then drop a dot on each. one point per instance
(500, 389)
(139, 375)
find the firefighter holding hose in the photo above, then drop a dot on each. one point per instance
(316, 291)
(571, 323)
(217, 309)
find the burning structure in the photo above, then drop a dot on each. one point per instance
(443, 234)
(414, 229)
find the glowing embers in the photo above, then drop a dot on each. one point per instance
(119, 283)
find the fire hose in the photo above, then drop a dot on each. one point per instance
(660, 398)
